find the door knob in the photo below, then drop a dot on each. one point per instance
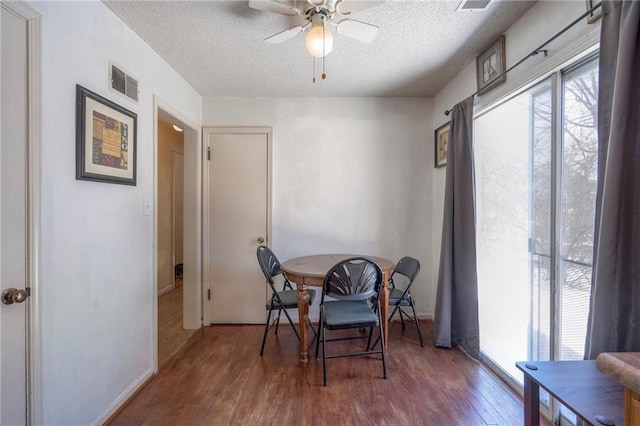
(260, 240)
(13, 295)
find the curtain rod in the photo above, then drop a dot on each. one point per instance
(539, 48)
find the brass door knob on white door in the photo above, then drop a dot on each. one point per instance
(260, 240)
(13, 295)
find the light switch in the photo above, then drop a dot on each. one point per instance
(146, 206)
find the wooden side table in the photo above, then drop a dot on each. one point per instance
(578, 385)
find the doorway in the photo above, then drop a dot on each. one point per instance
(237, 220)
(171, 332)
(177, 230)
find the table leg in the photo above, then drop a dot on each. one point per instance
(384, 308)
(531, 402)
(303, 319)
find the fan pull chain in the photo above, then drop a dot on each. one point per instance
(314, 69)
(324, 74)
(324, 43)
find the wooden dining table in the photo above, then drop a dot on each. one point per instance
(309, 271)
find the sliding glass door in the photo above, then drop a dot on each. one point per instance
(505, 206)
(536, 163)
(577, 206)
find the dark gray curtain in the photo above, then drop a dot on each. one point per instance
(614, 318)
(456, 319)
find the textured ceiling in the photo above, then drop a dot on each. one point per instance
(218, 47)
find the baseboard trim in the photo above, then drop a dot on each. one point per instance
(124, 399)
(165, 290)
(396, 318)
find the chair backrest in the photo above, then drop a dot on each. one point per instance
(357, 278)
(409, 268)
(268, 262)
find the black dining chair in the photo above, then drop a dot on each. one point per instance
(400, 283)
(280, 301)
(354, 287)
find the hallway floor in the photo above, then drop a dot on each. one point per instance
(171, 335)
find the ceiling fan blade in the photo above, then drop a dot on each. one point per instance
(285, 35)
(347, 7)
(275, 7)
(357, 30)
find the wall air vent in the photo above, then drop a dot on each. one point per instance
(123, 82)
(470, 5)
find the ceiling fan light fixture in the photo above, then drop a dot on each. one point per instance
(319, 40)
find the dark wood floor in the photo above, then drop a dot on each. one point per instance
(219, 378)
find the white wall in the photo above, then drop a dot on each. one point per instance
(535, 27)
(350, 175)
(97, 247)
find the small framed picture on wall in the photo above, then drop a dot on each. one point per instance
(105, 140)
(491, 66)
(442, 144)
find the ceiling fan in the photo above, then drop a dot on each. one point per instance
(319, 15)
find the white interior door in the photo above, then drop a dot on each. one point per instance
(14, 249)
(238, 216)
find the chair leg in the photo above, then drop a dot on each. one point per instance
(375, 343)
(415, 318)
(384, 351)
(315, 333)
(395, 309)
(324, 356)
(401, 318)
(278, 320)
(295, 330)
(319, 335)
(369, 347)
(266, 329)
